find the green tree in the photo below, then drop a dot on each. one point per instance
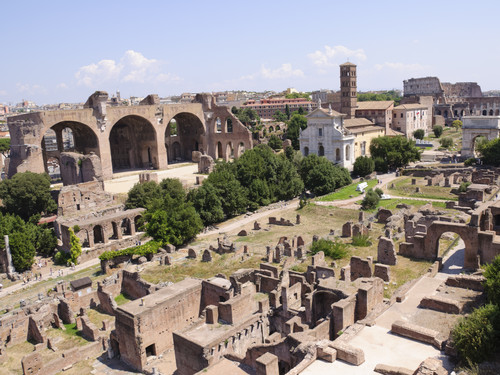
(27, 194)
(363, 166)
(143, 194)
(438, 130)
(492, 283)
(22, 249)
(325, 177)
(280, 116)
(207, 203)
(289, 184)
(476, 337)
(394, 152)
(289, 153)
(297, 123)
(301, 111)
(4, 146)
(446, 142)
(419, 134)
(46, 240)
(233, 195)
(457, 124)
(275, 142)
(75, 248)
(287, 111)
(370, 201)
(175, 225)
(490, 152)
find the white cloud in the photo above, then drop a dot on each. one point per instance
(62, 86)
(3, 93)
(401, 67)
(284, 71)
(26, 88)
(332, 56)
(133, 67)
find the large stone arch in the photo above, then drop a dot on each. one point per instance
(67, 136)
(466, 232)
(132, 141)
(189, 137)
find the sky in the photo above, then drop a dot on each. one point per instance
(62, 51)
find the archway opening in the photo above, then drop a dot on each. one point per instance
(219, 154)
(133, 144)
(114, 235)
(241, 149)
(66, 136)
(451, 247)
(98, 234)
(477, 143)
(125, 227)
(229, 151)
(321, 150)
(188, 131)
(137, 222)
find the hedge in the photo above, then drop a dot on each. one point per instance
(148, 248)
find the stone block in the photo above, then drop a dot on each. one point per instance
(326, 353)
(418, 333)
(348, 353)
(442, 304)
(392, 370)
(207, 256)
(267, 364)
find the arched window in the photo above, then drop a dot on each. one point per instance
(337, 154)
(229, 125)
(321, 150)
(347, 152)
(218, 125)
(306, 151)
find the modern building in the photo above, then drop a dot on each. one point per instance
(266, 108)
(409, 117)
(378, 112)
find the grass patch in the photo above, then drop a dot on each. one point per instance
(193, 268)
(391, 204)
(122, 298)
(403, 187)
(347, 191)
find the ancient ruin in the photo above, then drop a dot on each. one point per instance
(103, 140)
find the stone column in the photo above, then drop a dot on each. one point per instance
(10, 267)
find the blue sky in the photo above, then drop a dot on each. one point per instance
(62, 51)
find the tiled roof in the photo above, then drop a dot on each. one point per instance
(383, 104)
(411, 106)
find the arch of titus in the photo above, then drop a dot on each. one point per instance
(478, 126)
(127, 137)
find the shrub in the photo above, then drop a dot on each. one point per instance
(362, 240)
(61, 258)
(75, 247)
(379, 191)
(446, 142)
(334, 249)
(150, 247)
(275, 142)
(363, 166)
(492, 284)
(438, 130)
(370, 201)
(470, 162)
(419, 134)
(463, 187)
(476, 336)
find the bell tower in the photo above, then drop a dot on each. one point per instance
(348, 89)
